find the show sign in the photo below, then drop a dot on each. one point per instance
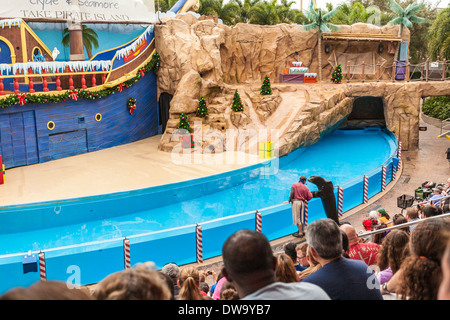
(81, 10)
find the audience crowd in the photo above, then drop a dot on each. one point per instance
(334, 263)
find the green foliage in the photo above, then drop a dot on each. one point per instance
(237, 103)
(437, 107)
(336, 76)
(202, 109)
(184, 122)
(90, 39)
(266, 88)
(321, 21)
(405, 17)
(439, 35)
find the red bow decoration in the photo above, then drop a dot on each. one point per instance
(22, 98)
(120, 87)
(74, 94)
(142, 72)
(132, 108)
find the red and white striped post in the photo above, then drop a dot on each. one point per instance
(42, 270)
(258, 221)
(399, 155)
(306, 213)
(199, 242)
(366, 189)
(340, 201)
(383, 178)
(126, 253)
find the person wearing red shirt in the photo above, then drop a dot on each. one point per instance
(299, 196)
(367, 252)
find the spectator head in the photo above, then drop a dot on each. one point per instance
(189, 283)
(325, 239)
(400, 219)
(421, 270)
(50, 290)
(345, 245)
(204, 287)
(249, 262)
(411, 213)
(301, 254)
(133, 284)
(289, 249)
(430, 211)
(367, 224)
(351, 234)
(373, 215)
(383, 213)
(172, 270)
(285, 271)
(394, 250)
(228, 292)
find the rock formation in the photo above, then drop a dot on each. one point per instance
(200, 57)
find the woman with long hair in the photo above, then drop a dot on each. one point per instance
(189, 283)
(391, 254)
(285, 271)
(420, 274)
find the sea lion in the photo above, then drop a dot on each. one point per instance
(326, 194)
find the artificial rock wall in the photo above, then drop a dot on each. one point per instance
(200, 57)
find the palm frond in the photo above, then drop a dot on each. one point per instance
(395, 7)
(327, 17)
(395, 21)
(311, 26)
(413, 8)
(415, 19)
(406, 22)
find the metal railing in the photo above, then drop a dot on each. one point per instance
(406, 224)
(398, 71)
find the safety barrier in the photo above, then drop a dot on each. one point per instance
(189, 243)
(424, 71)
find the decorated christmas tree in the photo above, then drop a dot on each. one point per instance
(184, 122)
(202, 109)
(237, 103)
(336, 76)
(265, 88)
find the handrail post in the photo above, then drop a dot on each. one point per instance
(2, 87)
(94, 80)
(394, 70)
(58, 83)
(348, 71)
(423, 69)
(363, 76)
(71, 87)
(444, 69)
(83, 81)
(408, 67)
(16, 84)
(44, 83)
(427, 69)
(378, 72)
(30, 83)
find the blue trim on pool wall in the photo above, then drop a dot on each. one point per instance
(89, 263)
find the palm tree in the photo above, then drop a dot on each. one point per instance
(265, 13)
(244, 9)
(321, 23)
(228, 13)
(405, 17)
(90, 39)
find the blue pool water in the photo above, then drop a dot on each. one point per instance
(340, 157)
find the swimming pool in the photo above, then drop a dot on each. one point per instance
(160, 222)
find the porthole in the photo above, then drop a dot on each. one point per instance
(98, 117)
(50, 125)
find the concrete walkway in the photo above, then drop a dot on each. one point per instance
(127, 167)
